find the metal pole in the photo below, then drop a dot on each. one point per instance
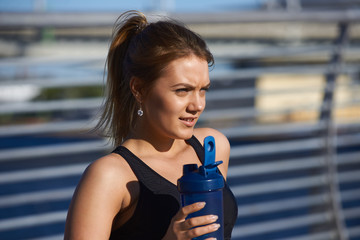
(329, 133)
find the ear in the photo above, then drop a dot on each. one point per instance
(136, 86)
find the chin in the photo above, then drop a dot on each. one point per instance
(185, 135)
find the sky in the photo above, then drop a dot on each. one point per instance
(120, 5)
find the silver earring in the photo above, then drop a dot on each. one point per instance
(140, 112)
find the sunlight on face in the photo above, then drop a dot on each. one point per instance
(176, 100)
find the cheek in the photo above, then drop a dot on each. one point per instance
(204, 102)
(172, 106)
(163, 105)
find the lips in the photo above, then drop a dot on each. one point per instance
(190, 122)
(187, 119)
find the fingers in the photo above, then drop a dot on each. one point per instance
(199, 221)
(193, 227)
(199, 231)
(182, 214)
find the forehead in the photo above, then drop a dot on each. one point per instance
(188, 70)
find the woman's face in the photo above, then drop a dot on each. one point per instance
(175, 101)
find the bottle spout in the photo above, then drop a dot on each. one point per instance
(209, 165)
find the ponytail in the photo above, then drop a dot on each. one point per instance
(120, 104)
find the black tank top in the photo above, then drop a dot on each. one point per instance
(159, 201)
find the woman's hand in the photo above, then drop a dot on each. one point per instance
(181, 229)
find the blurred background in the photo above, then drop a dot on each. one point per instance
(285, 90)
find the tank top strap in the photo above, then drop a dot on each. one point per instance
(198, 147)
(134, 162)
(146, 175)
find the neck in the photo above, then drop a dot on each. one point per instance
(144, 139)
(158, 144)
(147, 144)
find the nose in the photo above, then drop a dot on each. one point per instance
(197, 103)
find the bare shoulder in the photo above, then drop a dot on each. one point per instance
(109, 166)
(105, 177)
(110, 172)
(220, 139)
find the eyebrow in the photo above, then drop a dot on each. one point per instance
(188, 85)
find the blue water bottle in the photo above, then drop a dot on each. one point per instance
(204, 184)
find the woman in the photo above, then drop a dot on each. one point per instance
(157, 79)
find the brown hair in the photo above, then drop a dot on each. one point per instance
(141, 49)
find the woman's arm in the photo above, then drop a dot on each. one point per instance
(97, 199)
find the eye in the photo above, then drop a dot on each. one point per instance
(205, 89)
(182, 91)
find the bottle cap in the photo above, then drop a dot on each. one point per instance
(205, 178)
